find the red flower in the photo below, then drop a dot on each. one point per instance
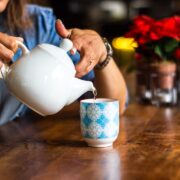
(157, 38)
(170, 27)
(140, 29)
(177, 19)
(177, 53)
(156, 31)
(143, 24)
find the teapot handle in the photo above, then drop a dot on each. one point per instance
(25, 50)
(5, 68)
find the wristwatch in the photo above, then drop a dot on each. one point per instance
(109, 50)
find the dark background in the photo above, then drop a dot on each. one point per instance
(92, 13)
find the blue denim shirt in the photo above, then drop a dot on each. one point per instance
(42, 31)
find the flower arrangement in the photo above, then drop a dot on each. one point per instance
(158, 40)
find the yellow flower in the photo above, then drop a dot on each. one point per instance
(123, 43)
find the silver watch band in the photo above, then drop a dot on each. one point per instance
(109, 50)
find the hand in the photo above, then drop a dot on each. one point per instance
(88, 43)
(8, 47)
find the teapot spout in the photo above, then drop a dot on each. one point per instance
(78, 88)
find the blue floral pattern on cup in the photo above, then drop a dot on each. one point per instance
(99, 120)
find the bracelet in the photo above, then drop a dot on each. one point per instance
(109, 50)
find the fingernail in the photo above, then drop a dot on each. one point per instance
(60, 21)
(72, 52)
(10, 55)
(20, 39)
(77, 75)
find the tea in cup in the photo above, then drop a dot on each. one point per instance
(99, 121)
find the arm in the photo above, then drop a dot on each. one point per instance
(110, 84)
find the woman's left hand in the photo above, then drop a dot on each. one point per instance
(88, 43)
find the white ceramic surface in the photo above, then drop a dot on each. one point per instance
(100, 142)
(44, 79)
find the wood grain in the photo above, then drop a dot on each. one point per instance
(148, 147)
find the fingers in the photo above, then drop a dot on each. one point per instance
(61, 29)
(17, 38)
(88, 43)
(73, 51)
(90, 52)
(84, 67)
(6, 54)
(10, 41)
(65, 33)
(8, 47)
(87, 63)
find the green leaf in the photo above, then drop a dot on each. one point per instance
(171, 45)
(158, 50)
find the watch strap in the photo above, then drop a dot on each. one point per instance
(109, 50)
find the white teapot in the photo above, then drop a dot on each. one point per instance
(44, 79)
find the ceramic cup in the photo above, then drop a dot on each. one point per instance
(99, 121)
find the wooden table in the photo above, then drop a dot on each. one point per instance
(148, 148)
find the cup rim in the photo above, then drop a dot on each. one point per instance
(99, 100)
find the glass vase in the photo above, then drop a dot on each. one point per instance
(163, 84)
(143, 92)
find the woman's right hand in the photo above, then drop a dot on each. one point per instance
(8, 47)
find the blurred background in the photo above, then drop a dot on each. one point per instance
(111, 18)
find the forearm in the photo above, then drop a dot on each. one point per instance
(110, 84)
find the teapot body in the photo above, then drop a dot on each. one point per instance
(42, 79)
